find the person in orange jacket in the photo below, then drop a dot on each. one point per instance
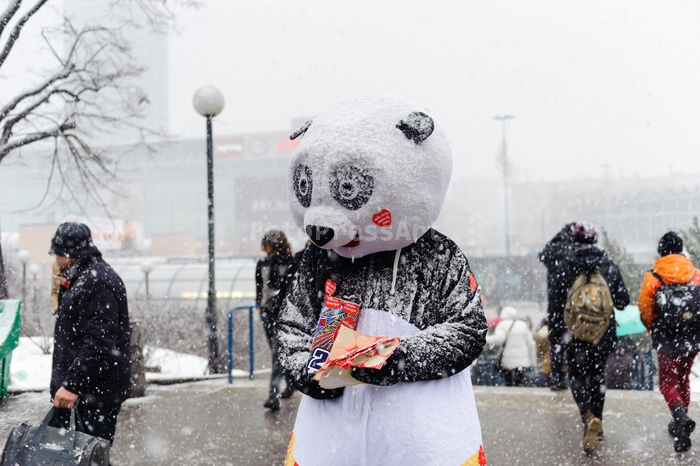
(675, 357)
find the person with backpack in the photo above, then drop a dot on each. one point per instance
(669, 306)
(587, 286)
(517, 352)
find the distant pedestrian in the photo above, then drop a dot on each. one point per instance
(555, 252)
(273, 275)
(518, 347)
(676, 343)
(541, 336)
(91, 338)
(588, 282)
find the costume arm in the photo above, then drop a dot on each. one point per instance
(646, 301)
(296, 325)
(455, 338)
(99, 312)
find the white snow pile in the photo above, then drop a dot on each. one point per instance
(174, 365)
(30, 368)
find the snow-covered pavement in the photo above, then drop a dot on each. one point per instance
(211, 422)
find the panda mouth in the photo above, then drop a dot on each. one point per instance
(354, 243)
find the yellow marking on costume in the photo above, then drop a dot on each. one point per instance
(477, 459)
(289, 460)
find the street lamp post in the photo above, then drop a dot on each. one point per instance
(24, 257)
(209, 102)
(146, 268)
(504, 161)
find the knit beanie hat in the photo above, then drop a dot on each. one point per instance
(670, 243)
(584, 232)
(73, 240)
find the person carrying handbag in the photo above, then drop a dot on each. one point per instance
(517, 347)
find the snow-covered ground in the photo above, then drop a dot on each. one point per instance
(30, 368)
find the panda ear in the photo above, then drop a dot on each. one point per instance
(301, 130)
(417, 126)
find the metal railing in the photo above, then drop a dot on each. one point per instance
(251, 348)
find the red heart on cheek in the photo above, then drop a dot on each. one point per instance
(382, 218)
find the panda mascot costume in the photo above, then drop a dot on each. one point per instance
(366, 182)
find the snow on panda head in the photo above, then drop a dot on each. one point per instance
(369, 175)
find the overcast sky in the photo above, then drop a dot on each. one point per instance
(590, 84)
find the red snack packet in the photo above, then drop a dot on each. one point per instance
(334, 313)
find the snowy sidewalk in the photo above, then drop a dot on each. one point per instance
(205, 423)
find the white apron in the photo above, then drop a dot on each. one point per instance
(419, 423)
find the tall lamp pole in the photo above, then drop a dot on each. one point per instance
(504, 161)
(209, 102)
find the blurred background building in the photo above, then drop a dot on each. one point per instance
(149, 50)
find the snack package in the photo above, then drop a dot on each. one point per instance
(334, 313)
(353, 349)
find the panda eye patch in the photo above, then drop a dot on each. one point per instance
(303, 184)
(351, 187)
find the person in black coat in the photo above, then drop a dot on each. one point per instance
(91, 336)
(554, 253)
(587, 360)
(273, 274)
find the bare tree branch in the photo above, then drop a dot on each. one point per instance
(34, 137)
(63, 74)
(9, 13)
(14, 35)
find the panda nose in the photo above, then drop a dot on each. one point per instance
(319, 235)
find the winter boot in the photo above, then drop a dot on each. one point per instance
(272, 403)
(593, 433)
(684, 426)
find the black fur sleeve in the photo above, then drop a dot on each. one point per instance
(296, 326)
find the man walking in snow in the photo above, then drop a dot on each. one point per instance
(590, 276)
(676, 344)
(91, 337)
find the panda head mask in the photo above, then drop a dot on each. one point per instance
(369, 176)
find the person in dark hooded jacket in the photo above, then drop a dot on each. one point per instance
(555, 252)
(91, 336)
(587, 360)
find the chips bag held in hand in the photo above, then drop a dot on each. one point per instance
(334, 313)
(354, 349)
